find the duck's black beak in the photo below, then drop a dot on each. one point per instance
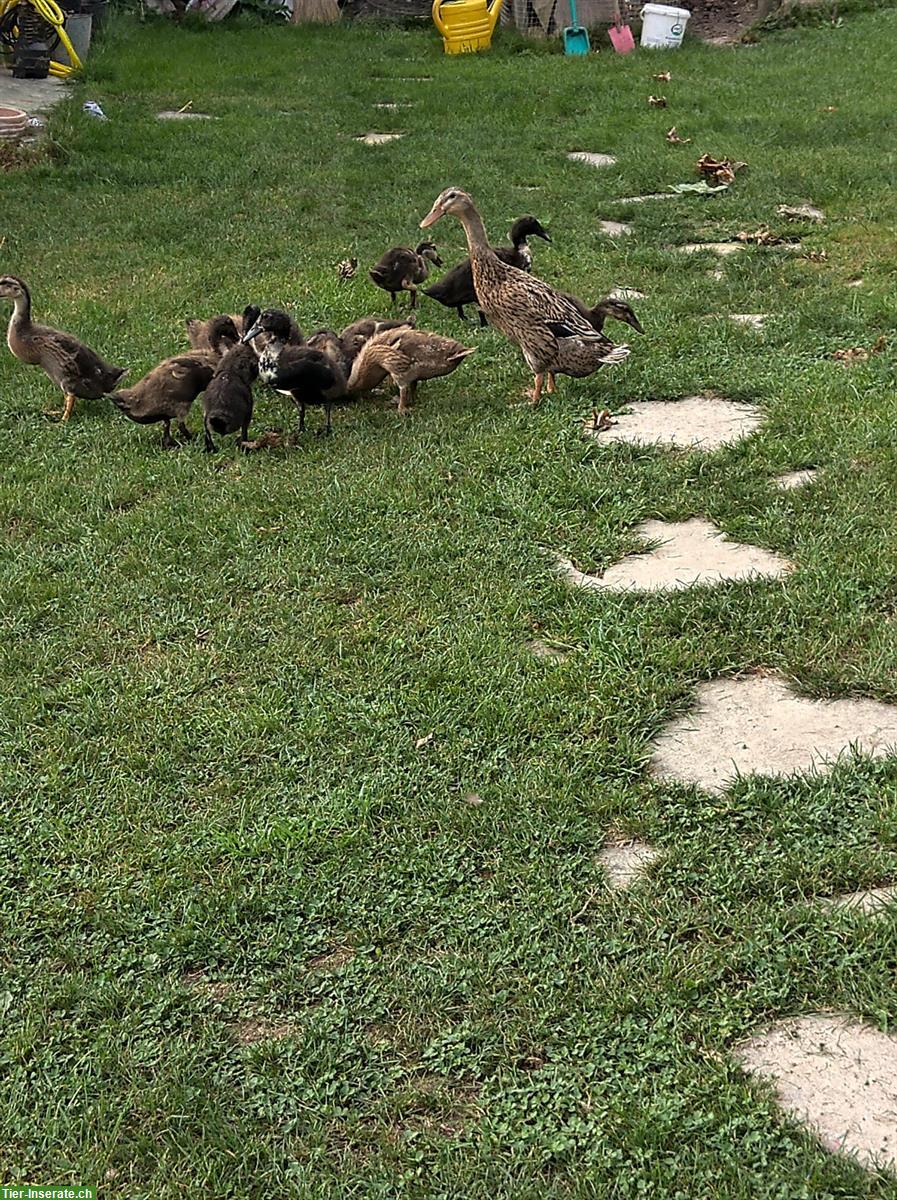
(543, 234)
(252, 332)
(632, 319)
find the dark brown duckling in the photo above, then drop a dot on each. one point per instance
(619, 310)
(167, 392)
(455, 288)
(79, 371)
(308, 375)
(228, 401)
(355, 335)
(329, 342)
(199, 330)
(402, 269)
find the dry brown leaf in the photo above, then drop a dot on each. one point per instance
(657, 101)
(859, 354)
(473, 799)
(347, 268)
(601, 420)
(424, 741)
(663, 77)
(763, 237)
(720, 170)
(673, 136)
(816, 256)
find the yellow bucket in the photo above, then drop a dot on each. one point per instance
(465, 25)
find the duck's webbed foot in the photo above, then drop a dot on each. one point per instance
(168, 442)
(184, 432)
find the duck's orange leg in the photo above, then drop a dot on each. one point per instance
(549, 382)
(536, 394)
(69, 407)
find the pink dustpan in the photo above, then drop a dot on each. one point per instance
(620, 34)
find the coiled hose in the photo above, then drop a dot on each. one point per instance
(50, 11)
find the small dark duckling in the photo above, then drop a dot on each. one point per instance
(310, 376)
(167, 392)
(619, 310)
(199, 329)
(455, 288)
(355, 335)
(228, 401)
(402, 269)
(79, 371)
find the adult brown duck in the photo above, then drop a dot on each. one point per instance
(552, 333)
(455, 288)
(79, 371)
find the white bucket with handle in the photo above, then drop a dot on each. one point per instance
(663, 27)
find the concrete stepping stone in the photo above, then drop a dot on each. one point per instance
(795, 479)
(392, 104)
(625, 860)
(755, 724)
(694, 422)
(615, 228)
(855, 283)
(188, 115)
(627, 294)
(721, 248)
(751, 320)
(836, 1075)
(649, 196)
(378, 139)
(872, 902)
(592, 160)
(689, 553)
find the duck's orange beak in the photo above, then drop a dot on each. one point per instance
(432, 216)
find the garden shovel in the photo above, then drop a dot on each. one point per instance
(620, 34)
(576, 36)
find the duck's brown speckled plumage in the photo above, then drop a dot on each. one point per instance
(79, 371)
(552, 333)
(455, 288)
(408, 356)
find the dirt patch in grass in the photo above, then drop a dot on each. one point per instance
(624, 860)
(836, 1075)
(332, 960)
(795, 479)
(198, 981)
(249, 1031)
(756, 724)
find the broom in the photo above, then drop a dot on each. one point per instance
(315, 11)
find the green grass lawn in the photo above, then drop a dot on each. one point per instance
(257, 940)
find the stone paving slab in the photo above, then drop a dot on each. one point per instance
(35, 96)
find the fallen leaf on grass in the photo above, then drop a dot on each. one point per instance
(801, 212)
(858, 354)
(720, 170)
(424, 741)
(763, 237)
(815, 256)
(347, 268)
(663, 77)
(657, 101)
(473, 799)
(673, 136)
(601, 421)
(702, 186)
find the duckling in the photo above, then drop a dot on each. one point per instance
(79, 371)
(552, 333)
(355, 335)
(167, 392)
(228, 401)
(608, 307)
(455, 288)
(308, 375)
(329, 342)
(199, 329)
(401, 269)
(408, 356)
